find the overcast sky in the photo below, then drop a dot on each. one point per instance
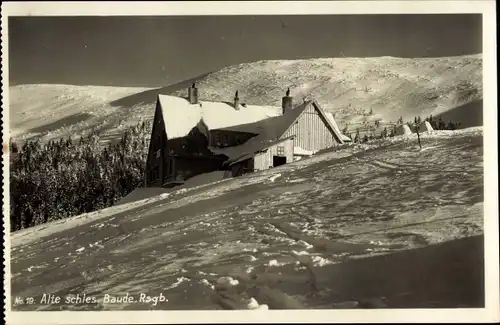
(157, 51)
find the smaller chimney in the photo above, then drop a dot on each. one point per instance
(236, 101)
(287, 102)
(193, 94)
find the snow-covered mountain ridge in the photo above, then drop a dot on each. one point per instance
(348, 87)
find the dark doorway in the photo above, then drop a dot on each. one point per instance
(278, 161)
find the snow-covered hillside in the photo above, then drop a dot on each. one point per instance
(52, 111)
(382, 222)
(348, 87)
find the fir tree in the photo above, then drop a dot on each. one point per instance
(440, 124)
(384, 133)
(357, 136)
(59, 179)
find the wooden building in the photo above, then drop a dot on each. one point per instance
(191, 137)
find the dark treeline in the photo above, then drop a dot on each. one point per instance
(65, 178)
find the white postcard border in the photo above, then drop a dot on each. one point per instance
(488, 314)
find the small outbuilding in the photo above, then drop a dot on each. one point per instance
(403, 130)
(425, 126)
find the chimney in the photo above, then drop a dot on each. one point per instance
(287, 102)
(236, 101)
(193, 94)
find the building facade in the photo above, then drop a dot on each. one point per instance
(190, 137)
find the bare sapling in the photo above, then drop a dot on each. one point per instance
(417, 125)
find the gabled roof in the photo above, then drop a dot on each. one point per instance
(267, 131)
(333, 127)
(270, 130)
(180, 116)
(253, 148)
(336, 127)
(273, 127)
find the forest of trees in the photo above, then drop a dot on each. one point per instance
(66, 178)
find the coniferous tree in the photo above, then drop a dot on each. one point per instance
(61, 179)
(451, 125)
(441, 125)
(393, 131)
(13, 146)
(384, 133)
(357, 136)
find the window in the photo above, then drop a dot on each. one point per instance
(281, 150)
(225, 139)
(217, 138)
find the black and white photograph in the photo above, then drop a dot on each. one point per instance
(175, 159)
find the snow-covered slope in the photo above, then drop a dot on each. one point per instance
(304, 235)
(52, 111)
(347, 87)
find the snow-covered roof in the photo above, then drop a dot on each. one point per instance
(249, 149)
(425, 126)
(336, 127)
(298, 151)
(403, 130)
(180, 116)
(268, 130)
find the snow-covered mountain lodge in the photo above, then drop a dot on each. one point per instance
(191, 137)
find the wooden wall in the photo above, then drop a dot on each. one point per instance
(242, 167)
(311, 131)
(264, 160)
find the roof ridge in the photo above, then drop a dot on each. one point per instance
(227, 102)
